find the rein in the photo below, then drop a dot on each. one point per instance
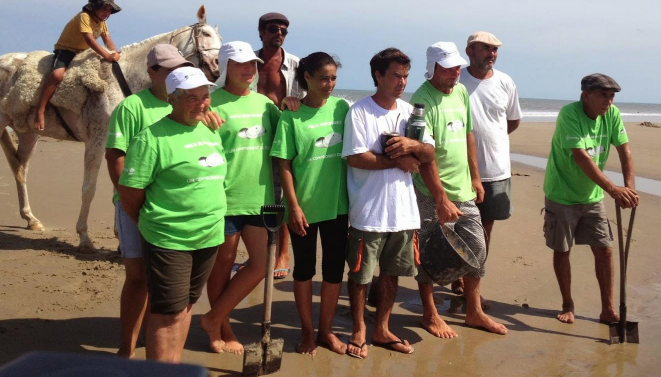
(195, 39)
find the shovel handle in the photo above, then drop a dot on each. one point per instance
(279, 211)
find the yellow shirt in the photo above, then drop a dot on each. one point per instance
(72, 35)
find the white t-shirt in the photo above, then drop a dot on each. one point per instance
(493, 102)
(379, 200)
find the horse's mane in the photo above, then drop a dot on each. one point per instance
(144, 42)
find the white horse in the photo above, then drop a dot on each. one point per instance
(198, 43)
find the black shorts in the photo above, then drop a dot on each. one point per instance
(176, 278)
(62, 58)
(333, 242)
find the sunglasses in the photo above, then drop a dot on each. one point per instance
(274, 29)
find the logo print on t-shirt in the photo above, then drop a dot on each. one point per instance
(131, 171)
(252, 133)
(212, 160)
(328, 140)
(596, 151)
(455, 125)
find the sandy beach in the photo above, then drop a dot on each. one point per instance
(53, 297)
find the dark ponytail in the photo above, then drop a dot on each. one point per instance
(311, 64)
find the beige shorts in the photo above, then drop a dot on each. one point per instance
(395, 252)
(580, 224)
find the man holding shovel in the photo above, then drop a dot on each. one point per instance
(574, 187)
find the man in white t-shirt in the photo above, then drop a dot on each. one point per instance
(496, 113)
(382, 204)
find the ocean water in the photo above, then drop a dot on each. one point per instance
(545, 110)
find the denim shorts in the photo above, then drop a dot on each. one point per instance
(130, 243)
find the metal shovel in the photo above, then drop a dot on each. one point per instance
(265, 357)
(624, 331)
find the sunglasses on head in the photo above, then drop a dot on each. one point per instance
(275, 28)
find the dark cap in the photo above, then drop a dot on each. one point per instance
(272, 16)
(93, 5)
(599, 81)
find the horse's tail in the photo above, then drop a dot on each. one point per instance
(12, 154)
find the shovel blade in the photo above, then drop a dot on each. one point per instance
(617, 335)
(260, 359)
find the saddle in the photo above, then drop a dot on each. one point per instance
(85, 75)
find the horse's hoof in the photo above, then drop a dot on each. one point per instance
(87, 248)
(36, 226)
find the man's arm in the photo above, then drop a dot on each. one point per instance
(401, 146)
(132, 200)
(371, 161)
(115, 160)
(512, 125)
(476, 182)
(111, 57)
(626, 162)
(625, 196)
(445, 209)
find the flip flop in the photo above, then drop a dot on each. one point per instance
(356, 355)
(279, 277)
(389, 345)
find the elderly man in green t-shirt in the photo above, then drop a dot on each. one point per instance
(574, 187)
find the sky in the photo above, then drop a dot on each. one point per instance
(548, 46)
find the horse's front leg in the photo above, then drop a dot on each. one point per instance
(94, 151)
(26, 146)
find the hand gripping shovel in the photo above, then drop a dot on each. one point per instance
(624, 331)
(265, 357)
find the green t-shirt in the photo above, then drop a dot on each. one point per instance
(247, 136)
(131, 116)
(181, 169)
(565, 182)
(312, 139)
(449, 122)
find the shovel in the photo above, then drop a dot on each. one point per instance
(265, 357)
(624, 331)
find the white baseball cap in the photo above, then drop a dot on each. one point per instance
(445, 54)
(185, 78)
(238, 51)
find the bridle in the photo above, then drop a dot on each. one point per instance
(194, 38)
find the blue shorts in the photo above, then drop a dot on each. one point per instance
(130, 243)
(235, 224)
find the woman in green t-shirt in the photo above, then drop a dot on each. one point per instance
(247, 136)
(308, 147)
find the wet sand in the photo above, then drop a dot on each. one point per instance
(54, 298)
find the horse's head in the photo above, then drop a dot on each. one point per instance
(200, 44)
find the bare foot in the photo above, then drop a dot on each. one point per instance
(608, 317)
(307, 345)
(567, 314)
(357, 346)
(457, 287)
(232, 344)
(438, 328)
(39, 121)
(391, 341)
(125, 353)
(483, 321)
(213, 331)
(331, 341)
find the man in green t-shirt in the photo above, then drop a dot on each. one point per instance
(448, 116)
(131, 116)
(574, 186)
